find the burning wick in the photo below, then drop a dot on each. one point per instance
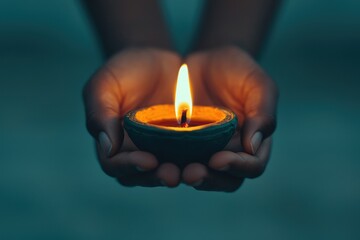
(183, 122)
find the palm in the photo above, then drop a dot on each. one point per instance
(141, 78)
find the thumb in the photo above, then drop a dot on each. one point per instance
(107, 131)
(103, 120)
(260, 111)
(255, 130)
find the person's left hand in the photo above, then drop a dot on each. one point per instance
(229, 77)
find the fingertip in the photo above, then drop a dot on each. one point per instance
(168, 174)
(204, 179)
(255, 142)
(103, 117)
(108, 133)
(194, 173)
(255, 129)
(115, 132)
(242, 164)
(105, 144)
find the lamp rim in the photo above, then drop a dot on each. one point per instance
(131, 119)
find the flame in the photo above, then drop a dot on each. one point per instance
(183, 100)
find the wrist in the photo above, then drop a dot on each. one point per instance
(160, 58)
(221, 49)
(112, 48)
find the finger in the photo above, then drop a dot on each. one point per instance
(166, 174)
(169, 174)
(103, 119)
(255, 130)
(260, 111)
(234, 144)
(242, 164)
(205, 179)
(126, 163)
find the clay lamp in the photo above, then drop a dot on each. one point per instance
(181, 133)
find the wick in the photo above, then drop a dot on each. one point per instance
(183, 122)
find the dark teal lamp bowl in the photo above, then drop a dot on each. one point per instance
(154, 129)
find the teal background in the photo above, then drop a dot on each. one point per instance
(51, 186)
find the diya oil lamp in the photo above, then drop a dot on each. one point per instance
(181, 133)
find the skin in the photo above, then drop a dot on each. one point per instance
(242, 23)
(229, 77)
(142, 72)
(111, 93)
(122, 24)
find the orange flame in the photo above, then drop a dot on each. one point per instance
(183, 100)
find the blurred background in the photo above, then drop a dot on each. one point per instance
(51, 186)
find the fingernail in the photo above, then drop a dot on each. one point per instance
(256, 141)
(224, 169)
(140, 169)
(198, 183)
(105, 143)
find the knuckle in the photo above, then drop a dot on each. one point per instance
(270, 124)
(105, 165)
(257, 170)
(108, 170)
(264, 122)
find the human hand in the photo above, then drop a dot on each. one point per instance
(229, 77)
(131, 79)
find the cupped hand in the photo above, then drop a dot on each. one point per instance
(131, 79)
(231, 78)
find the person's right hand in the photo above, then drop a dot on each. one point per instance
(227, 76)
(131, 79)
